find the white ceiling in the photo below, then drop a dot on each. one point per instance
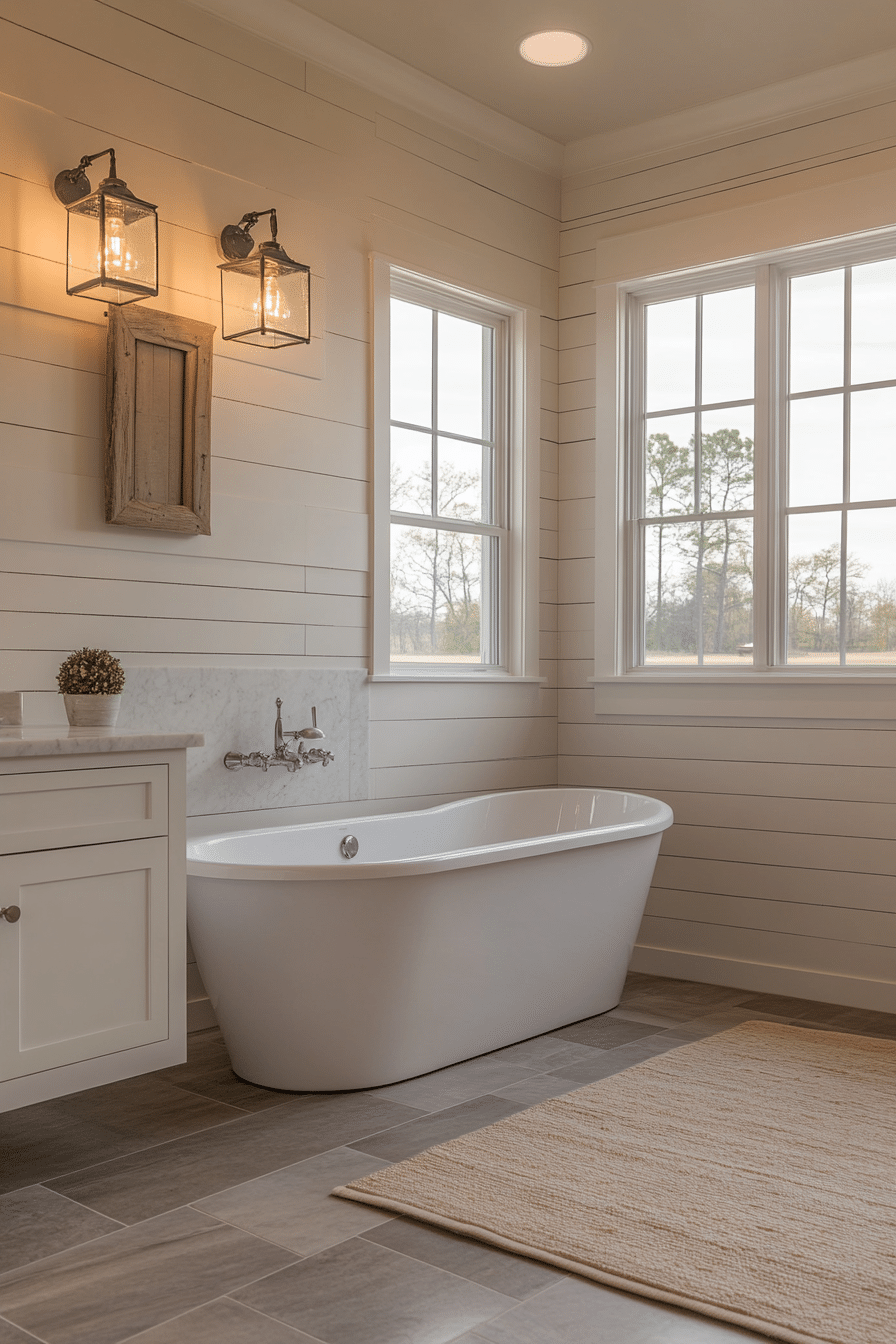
(650, 58)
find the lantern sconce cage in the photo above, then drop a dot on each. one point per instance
(265, 295)
(112, 246)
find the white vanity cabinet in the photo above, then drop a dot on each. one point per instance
(93, 885)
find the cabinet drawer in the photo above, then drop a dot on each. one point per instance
(62, 808)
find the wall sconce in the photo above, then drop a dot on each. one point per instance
(113, 239)
(265, 297)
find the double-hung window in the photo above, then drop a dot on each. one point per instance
(761, 466)
(451, 453)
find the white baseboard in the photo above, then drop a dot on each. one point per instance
(879, 995)
(200, 1015)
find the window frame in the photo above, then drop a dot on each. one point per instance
(517, 418)
(770, 273)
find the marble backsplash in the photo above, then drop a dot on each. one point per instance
(235, 708)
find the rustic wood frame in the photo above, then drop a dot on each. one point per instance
(136, 444)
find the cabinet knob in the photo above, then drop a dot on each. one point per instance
(10, 913)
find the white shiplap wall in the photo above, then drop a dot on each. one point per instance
(780, 871)
(211, 122)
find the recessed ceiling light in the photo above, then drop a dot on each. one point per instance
(554, 48)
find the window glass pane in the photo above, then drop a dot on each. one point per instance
(699, 592)
(816, 331)
(463, 486)
(816, 451)
(671, 354)
(874, 322)
(728, 345)
(410, 474)
(436, 591)
(669, 460)
(464, 376)
(871, 587)
(411, 355)
(813, 569)
(872, 451)
(726, 460)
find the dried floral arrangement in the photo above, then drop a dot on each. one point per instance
(91, 672)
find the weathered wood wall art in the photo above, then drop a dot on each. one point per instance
(158, 421)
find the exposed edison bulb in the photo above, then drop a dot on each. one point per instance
(117, 257)
(275, 306)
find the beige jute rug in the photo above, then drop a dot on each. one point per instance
(749, 1176)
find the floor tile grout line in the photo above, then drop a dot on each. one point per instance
(268, 1317)
(38, 1185)
(247, 1231)
(137, 1152)
(517, 1301)
(30, 1333)
(231, 1105)
(120, 1157)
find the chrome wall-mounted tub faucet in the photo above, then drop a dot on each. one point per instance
(282, 755)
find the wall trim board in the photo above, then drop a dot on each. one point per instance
(850, 991)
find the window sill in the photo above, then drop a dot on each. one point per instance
(468, 678)
(774, 676)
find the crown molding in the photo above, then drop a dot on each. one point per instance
(289, 26)
(820, 89)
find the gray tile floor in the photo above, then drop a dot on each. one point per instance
(189, 1207)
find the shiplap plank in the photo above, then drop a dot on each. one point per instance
(848, 926)
(287, 438)
(807, 816)
(48, 396)
(417, 701)
(126, 634)
(52, 595)
(833, 852)
(757, 945)
(438, 741)
(345, 582)
(34, 670)
(49, 338)
(809, 886)
(779, 779)
(468, 776)
(340, 641)
(90, 561)
(202, 28)
(24, 448)
(804, 746)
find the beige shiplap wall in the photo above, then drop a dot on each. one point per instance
(780, 871)
(211, 122)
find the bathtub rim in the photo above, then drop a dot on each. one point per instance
(475, 856)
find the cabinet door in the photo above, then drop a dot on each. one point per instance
(84, 971)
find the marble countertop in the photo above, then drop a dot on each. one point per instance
(59, 740)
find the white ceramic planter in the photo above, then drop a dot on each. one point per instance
(92, 711)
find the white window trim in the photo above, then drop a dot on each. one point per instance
(520, 590)
(614, 597)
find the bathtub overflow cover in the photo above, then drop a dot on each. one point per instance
(349, 846)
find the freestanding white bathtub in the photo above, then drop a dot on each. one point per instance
(454, 931)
